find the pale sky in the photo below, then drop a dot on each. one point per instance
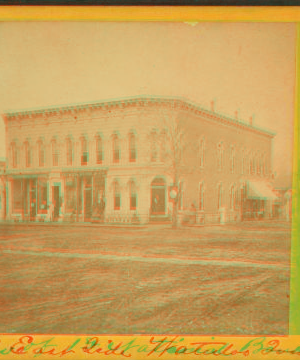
(247, 66)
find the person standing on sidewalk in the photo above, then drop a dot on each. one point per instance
(51, 211)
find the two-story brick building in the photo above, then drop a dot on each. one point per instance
(109, 161)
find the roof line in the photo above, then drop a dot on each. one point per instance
(111, 102)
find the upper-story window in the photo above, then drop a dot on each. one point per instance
(116, 148)
(220, 156)
(243, 161)
(99, 150)
(258, 164)
(55, 152)
(69, 151)
(201, 152)
(201, 196)
(14, 155)
(84, 151)
(132, 147)
(133, 195)
(41, 153)
(251, 164)
(28, 158)
(154, 146)
(254, 164)
(232, 158)
(163, 145)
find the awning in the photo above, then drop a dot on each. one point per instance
(261, 190)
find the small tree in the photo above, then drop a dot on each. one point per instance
(175, 145)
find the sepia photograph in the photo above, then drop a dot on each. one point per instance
(146, 177)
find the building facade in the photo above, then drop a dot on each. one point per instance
(112, 162)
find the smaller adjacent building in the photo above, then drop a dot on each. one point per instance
(282, 208)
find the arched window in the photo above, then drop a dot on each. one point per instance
(201, 153)
(116, 148)
(201, 196)
(261, 165)
(69, 151)
(232, 197)
(41, 153)
(220, 196)
(258, 164)
(99, 150)
(14, 155)
(251, 164)
(133, 195)
(264, 165)
(84, 151)
(154, 146)
(243, 161)
(220, 155)
(55, 152)
(132, 147)
(163, 146)
(232, 158)
(27, 154)
(117, 195)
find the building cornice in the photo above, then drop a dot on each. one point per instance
(176, 103)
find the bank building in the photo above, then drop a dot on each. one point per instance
(109, 162)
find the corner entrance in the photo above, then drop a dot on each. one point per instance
(158, 196)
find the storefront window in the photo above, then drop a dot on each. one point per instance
(42, 197)
(70, 195)
(17, 196)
